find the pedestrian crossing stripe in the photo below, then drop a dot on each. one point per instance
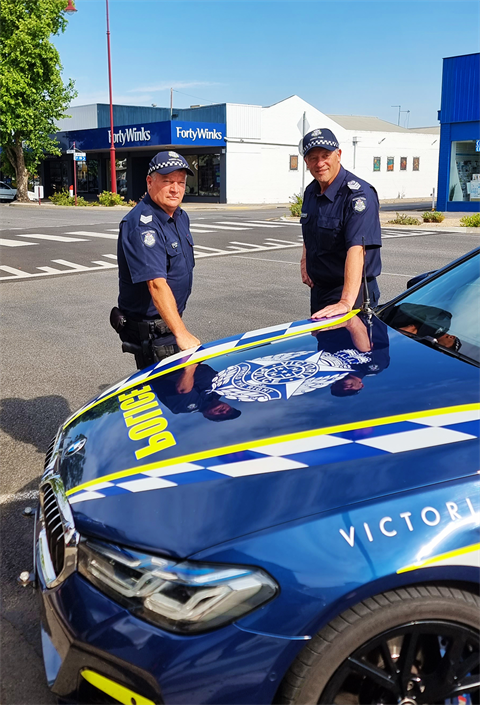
(208, 351)
(313, 448)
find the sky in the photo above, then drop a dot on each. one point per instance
(344, 57)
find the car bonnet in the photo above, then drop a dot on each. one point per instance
(265, 428)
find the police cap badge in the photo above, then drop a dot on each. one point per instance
(166, 162)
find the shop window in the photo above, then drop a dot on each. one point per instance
(416, 164)
(92, 175)
(293, 162)
(464, 184)
(82, 180)
(403, 163)
(58, 176)
(121, 169)
(209, 175)
(192, 181)
(390, 163)
(377, 163)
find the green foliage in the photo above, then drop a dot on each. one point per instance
(108, 198)
(296, 202)
(471, 221)
(131, 203)
(433, 217)
(32, 94)
(404, 220)
(62, 198)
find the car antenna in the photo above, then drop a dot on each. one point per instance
(366, 307)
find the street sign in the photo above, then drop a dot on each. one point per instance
(80, 157)
(477, 145)
(71, 151)
(39, 192)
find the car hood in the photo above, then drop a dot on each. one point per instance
(265, 428)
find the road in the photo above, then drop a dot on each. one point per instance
(58, 349)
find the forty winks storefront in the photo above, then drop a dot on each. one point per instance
(201, 143)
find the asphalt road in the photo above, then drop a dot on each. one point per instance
(58, 351)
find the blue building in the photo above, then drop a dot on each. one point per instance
(459, 162)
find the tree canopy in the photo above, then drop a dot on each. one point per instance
(32, 94)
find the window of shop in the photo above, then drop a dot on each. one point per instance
(416, 164)
(390, 163)
(192, 181)
(209, 175)
(403, 163)
(293, 162)
(58, 176)
(376, 163)
(464, 184)
(121, 169)
(82, 178)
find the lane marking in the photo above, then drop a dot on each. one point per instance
(196, 230)
(72, 265)
(15, 243)
(271, 224)
(391, 274)
(16, 272)
(225, 227)
(110, 256)
(104, 265)
(87, 233)
(253, 225)
(56, 238)
(50, 270)
(264, 259)
(275, 239)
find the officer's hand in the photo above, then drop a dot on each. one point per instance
(339, 309)
(186, 340)
(305, 278)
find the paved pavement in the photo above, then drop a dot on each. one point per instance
(58, 351)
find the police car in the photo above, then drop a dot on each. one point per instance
(286, 516)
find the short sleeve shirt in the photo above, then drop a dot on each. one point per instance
(153, 245)
(336, 220)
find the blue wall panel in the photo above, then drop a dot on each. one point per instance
(135, 115)
(461, 89)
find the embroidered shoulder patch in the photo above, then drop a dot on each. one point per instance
(303, 215)
(148, 238)
(359, 204)
(146, 219)
(353, 185)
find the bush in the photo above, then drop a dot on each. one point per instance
(404, 220)
(433, 217)
(62, 198)
(471, 221)
(131, 203)
(108, 198)
(296, 202)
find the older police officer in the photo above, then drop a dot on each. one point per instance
(155, 263)
(339, 210)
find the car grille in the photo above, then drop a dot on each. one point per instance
(49, 454)
(54, 528)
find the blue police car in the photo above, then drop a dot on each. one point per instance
(287, 516)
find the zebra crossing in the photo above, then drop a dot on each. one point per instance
(109, 260)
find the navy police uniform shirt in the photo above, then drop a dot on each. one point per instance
(153, 245)
(336, 220)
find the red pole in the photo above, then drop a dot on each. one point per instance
(113, 170)
(75, 174)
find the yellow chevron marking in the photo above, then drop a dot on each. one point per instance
(251, 445)
(436, 560)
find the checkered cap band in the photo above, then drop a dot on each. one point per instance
(176, 163)
(319, 142)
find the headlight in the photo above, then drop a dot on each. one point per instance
(179, 597)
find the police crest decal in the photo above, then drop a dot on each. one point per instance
(283, 376)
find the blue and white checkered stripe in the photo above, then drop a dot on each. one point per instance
(210, 350)
(312, 451)
(319, 142)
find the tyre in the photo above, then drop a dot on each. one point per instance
(414, 645)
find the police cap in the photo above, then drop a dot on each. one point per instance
(166, 162)
(325, 139)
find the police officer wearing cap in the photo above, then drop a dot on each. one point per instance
(339, 213)
(155, 265)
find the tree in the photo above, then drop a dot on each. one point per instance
(32, 94)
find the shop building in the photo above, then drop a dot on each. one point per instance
(238, 153)
(459, 116)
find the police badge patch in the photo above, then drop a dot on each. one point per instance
(148, 238)
(353, 185)
(359, 204)
(173, 154)
(316, 133)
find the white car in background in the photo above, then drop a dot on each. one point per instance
(7, 193)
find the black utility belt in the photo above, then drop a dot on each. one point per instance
(155, 326)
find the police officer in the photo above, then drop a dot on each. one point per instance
(339, 209)
(155, 263)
